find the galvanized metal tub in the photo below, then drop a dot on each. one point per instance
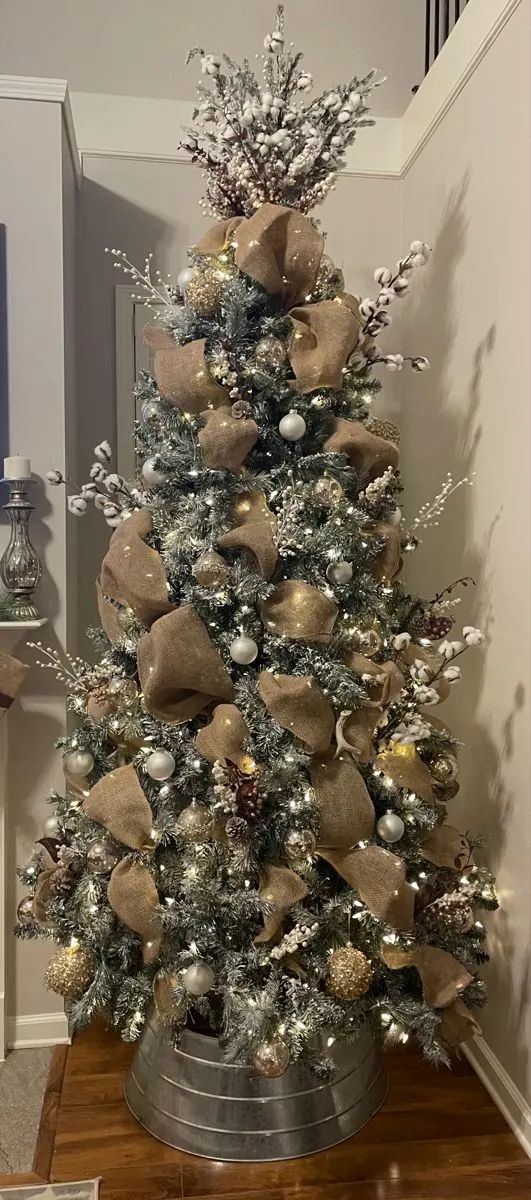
(193, 1100)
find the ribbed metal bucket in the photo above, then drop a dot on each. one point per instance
(194, 1101)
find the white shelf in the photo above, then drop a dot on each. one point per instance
(37, 624)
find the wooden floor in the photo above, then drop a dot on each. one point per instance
(439, 1136)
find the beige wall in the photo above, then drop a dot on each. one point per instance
(33, 170)
(468, 194)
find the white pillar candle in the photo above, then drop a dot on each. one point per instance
(17, 467)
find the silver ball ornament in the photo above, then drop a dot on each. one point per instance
(150, 409)
(79, 762)
(271, 1058)
(390, 827)
(194, 823)
(50, 827)
(101, 857)
(151, 474)
(199, 978)
(299, 843)
(123, 689)
(339, 572)
(185, 277)
(243, 650)
(327, 492)
(292, 427)
(25, 910)
(444, 769)
(270, 352)
(160, 764)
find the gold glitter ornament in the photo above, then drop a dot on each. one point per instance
(349, 973)
(367, 639)
(204, 292)
(69, 972)
(271, 1058)
(194, 823)
(211, 570)
(385, 429)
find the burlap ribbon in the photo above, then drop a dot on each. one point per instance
(299, 611)
(134, 898)
(281, 250)
(108, 616)
(370, 455)
(346, 812)
(444, 846)
(280, 888)
(12, 675)
(48, 878)
(297, 704)
(379, 877)
(387, 563)
(386, 680)
(324, 335)
(182, 373)
(457, 1024)
(407, 771)
(278, 247)
(118, 803)
(443, 977)
(225, 440)
(429, 658)
(179, 668)
(132, 573)
(254, 532)
(224, 737)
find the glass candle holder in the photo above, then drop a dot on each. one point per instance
(20, 567)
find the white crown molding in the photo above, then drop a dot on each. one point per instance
(512, 1105)
(50, 91)
(37, 1029)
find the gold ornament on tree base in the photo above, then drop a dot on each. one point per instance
(349, 973)
(69, 972)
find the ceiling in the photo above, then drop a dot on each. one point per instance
(137, 47)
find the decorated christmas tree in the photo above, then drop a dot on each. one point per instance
(254, 835)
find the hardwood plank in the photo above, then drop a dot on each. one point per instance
(19, 1180)
(42, 1157)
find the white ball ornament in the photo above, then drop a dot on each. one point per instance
(50, 827)
(243, 650)
(339, 572)
(199, 978)
(185, 277)
(292, 427)
(160, 764)
(151, 474)
(79, 762)
(390, 827)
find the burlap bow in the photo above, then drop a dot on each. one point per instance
(278, 247)
(254, 532)
(386, 680)
(12, 675)
(118, 803)
(379, 877)
(132, 895)
(370, 455)
(444, 846)
(179, 668)
(299, 611)
(387, 563)
(297, 704)
(406, 771)
(132, 573)
(49, 878)
(443, 977)
(182, 373)
(281, 250)
(457, 1024)
(225, 440)
(109, 616)
(346, 812)
(224, 737)
(281, 889)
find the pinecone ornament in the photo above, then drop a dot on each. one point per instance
(451, 911)
(247, 799)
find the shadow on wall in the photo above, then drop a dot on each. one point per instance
(442, 432)
(105, 219)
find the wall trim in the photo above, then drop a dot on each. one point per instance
(508, 1098)
(51, 91)
(37, 1029)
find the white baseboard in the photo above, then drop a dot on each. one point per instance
(512, 1105)
(38, 1029)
